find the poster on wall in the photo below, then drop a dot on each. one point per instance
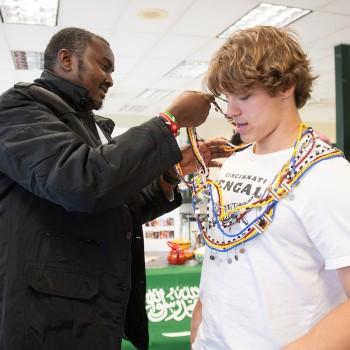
(161, 230)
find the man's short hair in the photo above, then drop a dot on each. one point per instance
(74, 39)
(263, 55)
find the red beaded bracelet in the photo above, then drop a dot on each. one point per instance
(170, 122)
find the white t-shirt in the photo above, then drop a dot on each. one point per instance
(286, 280)
(101, 135)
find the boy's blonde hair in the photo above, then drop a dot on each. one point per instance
(269, 56)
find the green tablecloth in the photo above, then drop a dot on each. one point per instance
(171, 296)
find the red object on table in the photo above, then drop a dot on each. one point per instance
(176, 255)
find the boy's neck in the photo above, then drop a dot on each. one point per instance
(283, 137)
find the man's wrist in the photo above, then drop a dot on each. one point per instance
(171, 178)
(170, 121)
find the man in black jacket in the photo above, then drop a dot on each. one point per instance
(72, 272)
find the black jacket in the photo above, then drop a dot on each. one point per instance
(71, 245)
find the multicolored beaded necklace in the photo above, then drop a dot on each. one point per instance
(307, 152)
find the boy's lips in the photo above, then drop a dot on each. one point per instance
(241, 126)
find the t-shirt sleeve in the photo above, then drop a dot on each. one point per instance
(328, 221)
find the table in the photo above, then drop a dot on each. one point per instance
(171, 295)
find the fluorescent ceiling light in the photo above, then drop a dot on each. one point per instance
(28, 59)
(132, 108)
(188, 69)
(266, 14)
(155, 93)
(42, 12)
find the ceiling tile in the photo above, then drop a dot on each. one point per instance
(330, 41)
(3, 40)
(133, 44)
(90, 14)
(28, 37)
(210, 18)
(131, 86)
(151, 67)
(123, 65)
(304, 4)
(312, 27)
(207, 50)
(6, 61)
(130, 20)
(341, 7)
(7, 75)
(171, 83)
(169, 46)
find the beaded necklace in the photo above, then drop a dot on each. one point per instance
(307, 152)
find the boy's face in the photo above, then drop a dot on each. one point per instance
(256, 113)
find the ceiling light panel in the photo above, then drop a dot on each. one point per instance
(188, 69)
(266, 14)
(42, 12)
(28, 60)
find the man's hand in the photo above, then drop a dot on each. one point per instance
(209, 150)
(191, 108)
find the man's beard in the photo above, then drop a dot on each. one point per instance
(91, 102)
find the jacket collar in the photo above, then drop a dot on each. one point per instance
(75, 95)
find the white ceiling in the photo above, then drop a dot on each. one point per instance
(147, 49)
